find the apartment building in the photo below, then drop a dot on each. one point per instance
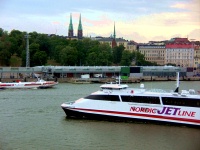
(197, 56)
(153, 52)
(180, 51)
(119, 41)
(129, 45)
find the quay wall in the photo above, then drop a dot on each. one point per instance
(132, 74)
(104, 80)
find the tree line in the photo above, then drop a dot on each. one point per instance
(65, 52)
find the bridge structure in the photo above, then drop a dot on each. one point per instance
(92, 71)
(96, 73)
(59, 71)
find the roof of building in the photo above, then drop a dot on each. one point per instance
(179, 45)
(109, 39)
(132, 43)
(151, 46)
(177, 39)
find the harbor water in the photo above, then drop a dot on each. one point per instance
(32, 119)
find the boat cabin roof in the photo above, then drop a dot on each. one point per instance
(114, 86)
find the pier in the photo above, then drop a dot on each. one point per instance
(70, 74)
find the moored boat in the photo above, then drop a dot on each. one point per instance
(40, 83)
(118, 101)
(81, 81)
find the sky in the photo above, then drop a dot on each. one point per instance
(137, 20)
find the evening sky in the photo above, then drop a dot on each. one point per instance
(138, 20)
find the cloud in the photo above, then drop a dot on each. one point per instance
(140, 21)
(166, 24)
(194, 34)
(179, 5)
(55, 22)
(155, 26)
(103, 20)
(189, 5)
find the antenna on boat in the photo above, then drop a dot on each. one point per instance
(177, 82)
(37, 76)
(119, 79)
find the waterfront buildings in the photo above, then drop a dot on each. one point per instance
(176, 51)
(129, 45)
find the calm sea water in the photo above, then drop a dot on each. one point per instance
(33, 120)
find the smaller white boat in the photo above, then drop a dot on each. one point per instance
(40, 83)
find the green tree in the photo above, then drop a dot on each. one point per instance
(5, 45)
(33, 48)
(1, 32)
(39, 58)
(56, 45)
(81, 53)
(5, 57)
(92, 59)
(57, 53)
(17, 40)
(104, 55)
(126, 58)
(68, 56)
(85, 47)
(43, 41)
(117, 54)
(140, 60)
(33, 36)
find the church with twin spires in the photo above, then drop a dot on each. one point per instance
(112, 40)
(71, 35)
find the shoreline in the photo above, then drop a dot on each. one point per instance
(104, 80)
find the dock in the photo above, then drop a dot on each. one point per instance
(105, 80)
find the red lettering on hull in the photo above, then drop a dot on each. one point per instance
(165, 111)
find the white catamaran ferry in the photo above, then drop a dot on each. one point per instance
(117, 101)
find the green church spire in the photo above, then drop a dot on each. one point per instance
(114, 35)
(80, 29)
(70, 30)
(80, 24)
(70, 24)
(114, 44)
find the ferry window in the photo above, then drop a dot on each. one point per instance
(141, 99)
(181, 101)
(111, 88)
(103, 97)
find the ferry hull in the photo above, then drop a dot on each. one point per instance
(73, 113)
(118, 102)
(28, 85)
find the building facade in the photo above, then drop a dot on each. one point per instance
(109, 40)
(180, 51)
(153, 53)
(197, 57)
(129, 45)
